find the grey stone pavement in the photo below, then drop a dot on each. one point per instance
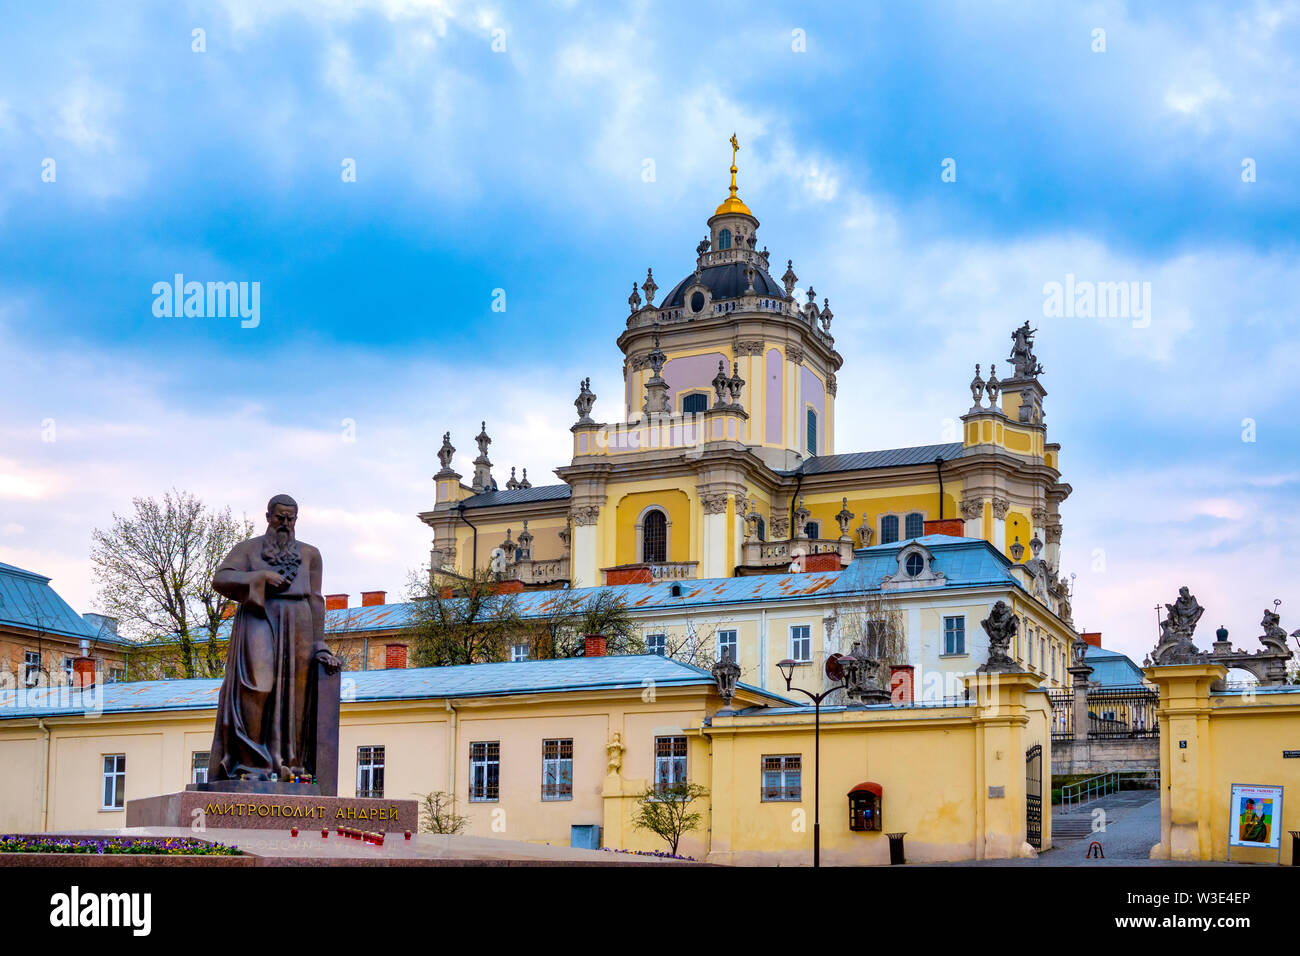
(1132, 827)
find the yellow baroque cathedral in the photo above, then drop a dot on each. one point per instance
(722, 460)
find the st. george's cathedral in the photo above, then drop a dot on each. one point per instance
(722, 461)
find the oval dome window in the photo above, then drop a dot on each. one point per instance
(697, 302)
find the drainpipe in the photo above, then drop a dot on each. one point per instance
(938, 467)
(45, 780)
(460, 512)
(451, 754)
(794, 500)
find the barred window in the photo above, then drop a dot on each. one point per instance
(782, 777)
(199, 766)
(654, 537)
(484, 771)
(370, 771)
(557, 769)
(670, 762)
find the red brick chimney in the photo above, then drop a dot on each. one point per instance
(953, 527)
(902, 679)
(336, 602)
(83, 672)
(395, 656)
(373, 598)
(593, 645)
(1091, 637)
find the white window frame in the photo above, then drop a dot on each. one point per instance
(112, 790)
(199, 771)
(675, 763)
(796, 639)
(961, 629)
(657, 640)
(784, 772)
(518, 652)
(69, 670)
(732, 642)
(480, 771)
(558, 769)
(31, 668)
(371, 760)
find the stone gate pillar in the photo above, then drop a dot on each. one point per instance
(1185, 771)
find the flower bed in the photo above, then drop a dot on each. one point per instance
(658, 854)
(162, 846)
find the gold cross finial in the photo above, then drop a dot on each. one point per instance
(733, 203)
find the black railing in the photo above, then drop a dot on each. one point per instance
(1113, 712)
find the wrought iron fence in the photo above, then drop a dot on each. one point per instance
(1113, 712)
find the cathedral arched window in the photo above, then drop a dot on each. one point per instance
(724, 239)
(654, 540)
(888, 529)
(812, 432)
(915, 525)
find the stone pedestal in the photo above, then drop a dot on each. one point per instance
(262, 809)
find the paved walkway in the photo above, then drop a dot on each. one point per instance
(1131, 821)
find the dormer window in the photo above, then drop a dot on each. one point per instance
(915, 564)
(724, 239)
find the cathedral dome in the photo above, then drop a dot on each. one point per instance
(727, 281)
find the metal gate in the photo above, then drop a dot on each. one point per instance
(1034, 796)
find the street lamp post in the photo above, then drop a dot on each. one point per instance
(787, 671)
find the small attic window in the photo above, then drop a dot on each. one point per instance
(915, 564)
(677, 590)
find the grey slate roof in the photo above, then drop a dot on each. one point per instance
(886, 458)
(518, 496)
(467, 680)
(1111, 668)
(28, 601)
(725, 282)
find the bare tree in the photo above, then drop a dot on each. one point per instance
(667, 812)
(461, 620)
(155, 570)
(877, 623)
(438, 814)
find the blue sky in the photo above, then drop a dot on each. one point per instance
(523, 170)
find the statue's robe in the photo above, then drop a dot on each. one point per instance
(266, 710)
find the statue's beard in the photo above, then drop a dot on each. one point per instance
(280, 551)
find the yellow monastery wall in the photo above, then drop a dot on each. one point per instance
(629, 504)
(1208, 742)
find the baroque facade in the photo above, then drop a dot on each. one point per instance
(720, 459)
